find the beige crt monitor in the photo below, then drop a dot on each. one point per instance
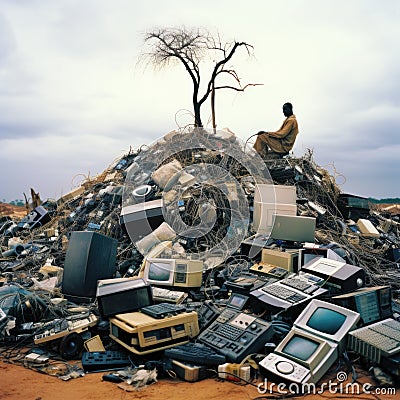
(180, 273)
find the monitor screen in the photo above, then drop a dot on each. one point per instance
(293, 228)
(237, 301)
(309, 256)
(300, 347)
(326, 320)
(159, 271)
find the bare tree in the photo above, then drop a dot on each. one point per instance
(190, 47)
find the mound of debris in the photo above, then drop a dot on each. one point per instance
(177, 242)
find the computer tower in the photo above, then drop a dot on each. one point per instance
(90, 257)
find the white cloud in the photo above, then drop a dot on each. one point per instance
(70, 84)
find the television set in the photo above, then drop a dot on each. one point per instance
(90, 257)
(327, 320)
(173, 272)
(139, 220)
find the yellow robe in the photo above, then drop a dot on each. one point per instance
(281, 141)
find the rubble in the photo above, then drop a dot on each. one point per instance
(205, 188)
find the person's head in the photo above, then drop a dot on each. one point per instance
(287, 109)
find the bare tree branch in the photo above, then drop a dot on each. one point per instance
(190, 47)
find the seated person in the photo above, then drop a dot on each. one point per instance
(278, 143)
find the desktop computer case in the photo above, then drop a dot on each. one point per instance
(142, 334)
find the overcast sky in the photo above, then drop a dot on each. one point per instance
(73, 97)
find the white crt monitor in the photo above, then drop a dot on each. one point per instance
(313, 344)
(173, 272)
(328, 321)
(301, 357)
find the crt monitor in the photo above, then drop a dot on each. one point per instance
(173, 272)
(159, 271)
(305, 349)
(327, 320)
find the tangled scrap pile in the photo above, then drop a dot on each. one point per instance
(213, 188)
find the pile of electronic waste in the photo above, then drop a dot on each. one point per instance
(193, 256)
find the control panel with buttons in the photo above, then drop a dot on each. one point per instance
(287, 369)
(236, 335)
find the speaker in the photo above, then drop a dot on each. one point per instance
(90, 257)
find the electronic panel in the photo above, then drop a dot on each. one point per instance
(269, 270)
(372, 303)
(378, 340)
(340, 277)
(236, 334)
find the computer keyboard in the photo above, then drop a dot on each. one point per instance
(229, 331)
(296, 283)
(196, 353)
(283, 293)
(163, 295)
(162, 310)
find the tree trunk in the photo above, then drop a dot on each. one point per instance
(197, 118)
(214, 125)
